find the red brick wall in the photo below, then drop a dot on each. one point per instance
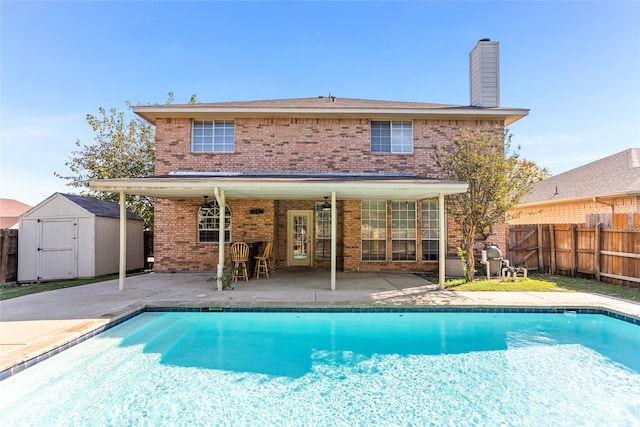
(305, 145)
(352, 244)
(177, 249)
(289, 145)
(176, 244)
(498, 237)
(175, 240)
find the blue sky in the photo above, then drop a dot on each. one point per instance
(576, 65)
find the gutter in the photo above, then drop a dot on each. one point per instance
(152, 113)
(575, 199)
(595, 199)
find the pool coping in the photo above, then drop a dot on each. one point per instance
(123, 317)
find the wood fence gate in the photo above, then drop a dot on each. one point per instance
(609, 254)
(8, 255)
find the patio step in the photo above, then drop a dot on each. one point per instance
(151, 330)
(163, 342)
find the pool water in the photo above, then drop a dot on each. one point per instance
(338, 369)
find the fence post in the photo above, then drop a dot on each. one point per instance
(597, 247)
(552, 247)
(540, 257)
(4, 255)
(509, 242)
(574, 250)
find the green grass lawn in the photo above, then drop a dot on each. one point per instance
(546, 283)
(7, 292)
(535, 283)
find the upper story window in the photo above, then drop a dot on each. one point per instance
(213, 136)
(391, 137)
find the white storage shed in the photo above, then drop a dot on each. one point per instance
(69, 236)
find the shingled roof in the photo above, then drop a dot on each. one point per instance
(325, 106)
(10, 211)
(616, 175)
(322, 102)
(99, 207)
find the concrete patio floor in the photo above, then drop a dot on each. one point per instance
(33, 325)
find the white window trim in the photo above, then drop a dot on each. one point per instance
(384, 238)
(223, 123)
(318, 228)
(408, 239)
(391, 144)
(437, 229)
(216, 240)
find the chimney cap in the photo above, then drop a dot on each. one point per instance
(486, 39)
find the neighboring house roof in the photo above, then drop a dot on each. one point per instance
(10, 211)
(102, 208)
(616, 175)
(326, 106)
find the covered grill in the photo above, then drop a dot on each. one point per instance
(492, 259)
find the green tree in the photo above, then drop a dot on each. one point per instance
(497, 176)
(123, 147)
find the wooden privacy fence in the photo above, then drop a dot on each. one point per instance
(8, 255)
(605, 254)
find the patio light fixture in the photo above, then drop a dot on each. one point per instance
(206, 204)
(326, 206)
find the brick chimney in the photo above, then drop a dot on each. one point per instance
(484, 74)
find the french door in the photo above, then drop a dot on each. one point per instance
(299, 238)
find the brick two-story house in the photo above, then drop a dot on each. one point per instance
(335, 183)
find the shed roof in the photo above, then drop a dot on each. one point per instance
(102, 208)
(615, 175)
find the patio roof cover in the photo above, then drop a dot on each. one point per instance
(185, 185)
(226, 186)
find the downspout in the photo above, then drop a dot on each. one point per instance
(223, 213)
(442, 248)
(611, 205)
(333, 240)
(123, 242)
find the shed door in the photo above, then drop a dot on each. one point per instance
(57, 249)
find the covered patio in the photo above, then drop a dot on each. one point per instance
(308, 186)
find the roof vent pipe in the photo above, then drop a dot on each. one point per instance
(484, 74)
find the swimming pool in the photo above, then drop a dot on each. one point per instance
(338, 369)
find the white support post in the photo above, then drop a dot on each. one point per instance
(442, 242)
(223, 212)
(334, 234)
(123, 242)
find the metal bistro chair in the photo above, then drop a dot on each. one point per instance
(262, 264)
(240, 257)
